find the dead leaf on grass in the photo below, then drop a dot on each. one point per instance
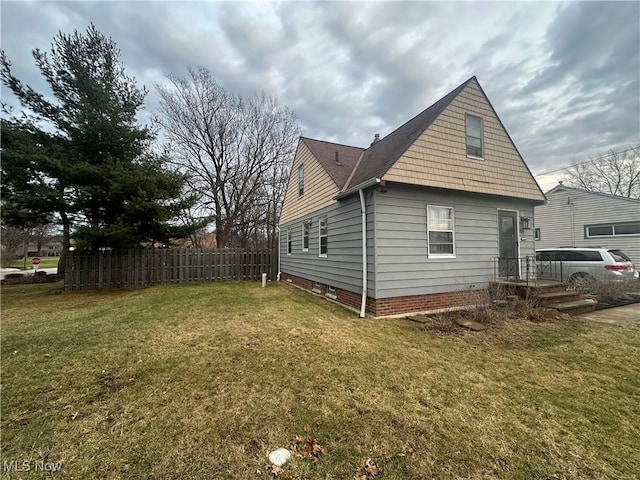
(274, 470)
(86, 430)
(307, 428)
(306, 447)
(371, 468)
(407, 453)
(368, 471)
(312, 448)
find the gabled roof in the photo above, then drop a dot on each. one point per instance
(429, 150)
(560, 187)
(325, 153)
(381, 156)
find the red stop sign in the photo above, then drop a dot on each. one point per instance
(35, 261)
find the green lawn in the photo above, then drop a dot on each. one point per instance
(204, 381)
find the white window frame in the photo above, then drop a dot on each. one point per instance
(301, 180)
(613, 226)
(326, 235)
(466, 136)
(306, 233)
(289, 242)
(536, 233)
(452, 231)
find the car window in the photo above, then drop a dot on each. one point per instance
(587, 256)
(618, 256)
(546, 256)
(569, 256)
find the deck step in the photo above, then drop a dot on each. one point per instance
(577, 307)
(552, 298)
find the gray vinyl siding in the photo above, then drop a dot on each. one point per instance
(562, 220)
(402, 264)
(342, 267)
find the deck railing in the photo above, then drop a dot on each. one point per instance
(528, 269)
(514, 268)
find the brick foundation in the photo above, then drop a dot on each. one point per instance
(396, 305)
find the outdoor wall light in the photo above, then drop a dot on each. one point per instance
(524, 223)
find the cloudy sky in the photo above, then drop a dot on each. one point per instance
(563, 77)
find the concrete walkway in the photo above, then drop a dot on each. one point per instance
(614, 316)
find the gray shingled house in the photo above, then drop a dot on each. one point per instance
(416, 221)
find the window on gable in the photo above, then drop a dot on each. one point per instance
(440, 231)
(306, 228)
(323, 234)
(475, 147)
(301, 180)
(289, 243)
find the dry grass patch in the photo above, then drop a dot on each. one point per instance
(204, 381)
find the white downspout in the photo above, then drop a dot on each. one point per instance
(279, 250)
(363, 211)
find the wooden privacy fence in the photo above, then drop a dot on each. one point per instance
(145, 267)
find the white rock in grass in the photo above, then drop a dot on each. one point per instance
(279, 457)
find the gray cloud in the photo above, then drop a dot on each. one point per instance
(564, 78)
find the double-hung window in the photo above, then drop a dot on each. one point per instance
(306, 228)
(301, 180)
(323, 235)
(289, 241)
(475, 145)
(440, 231)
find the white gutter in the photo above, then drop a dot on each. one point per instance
(279, 250)
(363, 185)
(363, 211)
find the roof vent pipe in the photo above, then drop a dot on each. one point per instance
(337, 159)
(376, 138)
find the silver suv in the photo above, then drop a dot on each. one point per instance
(583, 267)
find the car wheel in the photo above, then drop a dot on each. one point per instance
(582, 282)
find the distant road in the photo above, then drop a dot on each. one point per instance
(7, 271)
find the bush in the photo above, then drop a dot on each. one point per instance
(38, 277)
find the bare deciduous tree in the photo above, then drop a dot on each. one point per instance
(236, 152)
(616, 173)
(15, 240)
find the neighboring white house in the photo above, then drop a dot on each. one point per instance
(578, 218)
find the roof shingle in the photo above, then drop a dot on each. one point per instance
(381, 156)
(325, 153)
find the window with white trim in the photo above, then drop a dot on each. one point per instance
(323, 236)
(475, 145)
(440, 231)
(306, 228)
(301, 180)
(612, 229)
(289, 243)
(536, 234)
